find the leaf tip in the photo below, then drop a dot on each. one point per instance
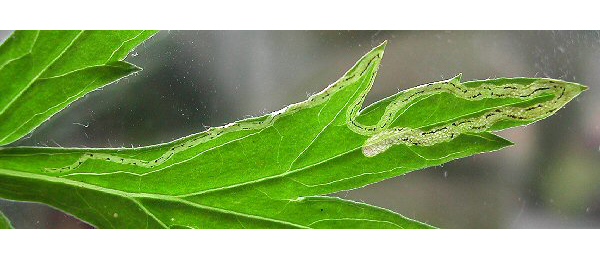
(457, 78)
(573, 88)
(381, 46)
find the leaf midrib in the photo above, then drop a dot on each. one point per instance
(283, 174)
(42, 71)
(135, 196)
(288, 172)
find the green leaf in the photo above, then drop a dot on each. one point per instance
(4, 222)
(42, 72)
(270, 171)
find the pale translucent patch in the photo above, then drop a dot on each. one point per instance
(382, 137)
(370, 60)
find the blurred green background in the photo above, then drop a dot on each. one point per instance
(195, 79)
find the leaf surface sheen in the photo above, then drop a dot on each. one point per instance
(270, 171)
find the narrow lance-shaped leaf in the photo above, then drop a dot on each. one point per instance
(4, 222)
(268, 171)
(42, 72)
